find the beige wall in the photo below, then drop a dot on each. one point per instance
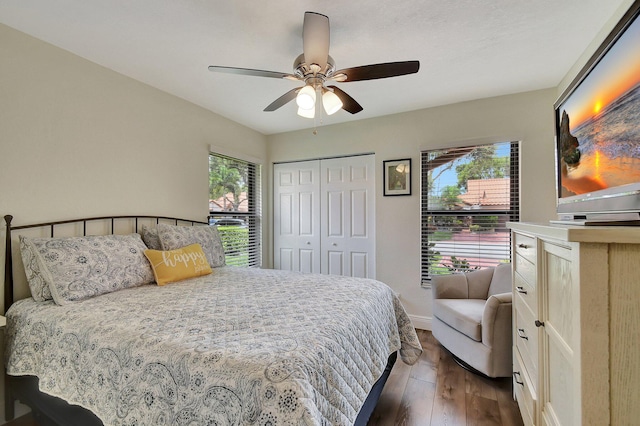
(593, 46)
(77, 139)
(527, 117)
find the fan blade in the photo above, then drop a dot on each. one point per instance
(315, 39)
(348, 103)
(255, 73)
(375, 71)
(284, 99)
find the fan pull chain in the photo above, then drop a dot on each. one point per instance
(315, 124)
(319, 110)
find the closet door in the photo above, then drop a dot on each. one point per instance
(296, 208)
(348, 216)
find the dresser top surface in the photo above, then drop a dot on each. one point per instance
(581, 234)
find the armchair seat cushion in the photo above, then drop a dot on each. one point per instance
(464, 315)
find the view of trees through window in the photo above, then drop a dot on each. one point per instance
(468, 195)
(228, 183)
(234, 207)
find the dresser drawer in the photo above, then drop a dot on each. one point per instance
(525, 246)
(524, 390)
(525, 337)
(527, 290)
(526, 269)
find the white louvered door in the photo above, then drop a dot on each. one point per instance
(324, 216)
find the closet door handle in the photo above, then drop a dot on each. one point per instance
(523, 246)
(521, 290)
(516, 374)
(539, 323)
(521, 334)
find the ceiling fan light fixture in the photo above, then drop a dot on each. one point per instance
(307, 113)
(331, 102)
(314, 67)
(306, 98)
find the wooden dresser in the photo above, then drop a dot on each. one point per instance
(576, 331)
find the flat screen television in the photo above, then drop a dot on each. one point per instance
(598, 133)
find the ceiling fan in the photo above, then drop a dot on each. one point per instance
(315, 67)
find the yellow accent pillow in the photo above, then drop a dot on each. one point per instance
(176, 265)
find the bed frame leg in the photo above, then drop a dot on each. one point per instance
(9, 402)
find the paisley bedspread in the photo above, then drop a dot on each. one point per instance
(238, 347)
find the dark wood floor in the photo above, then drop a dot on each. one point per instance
(437, 391)
(434, 391)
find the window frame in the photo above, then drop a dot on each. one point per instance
(510, 213)
(252, 217)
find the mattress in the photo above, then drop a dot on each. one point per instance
(237, 347)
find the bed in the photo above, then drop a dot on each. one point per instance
(233, 346)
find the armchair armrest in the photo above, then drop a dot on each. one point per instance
(506, 297)
(496, 318)
(453, 286)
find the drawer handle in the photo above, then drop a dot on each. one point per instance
(516, 374)
(521, 290)
(523, 246)
(539, 323)
(521, 334)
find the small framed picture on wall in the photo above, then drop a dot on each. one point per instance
(397, 177)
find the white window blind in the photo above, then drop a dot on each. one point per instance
(234, 207)
(467, 196)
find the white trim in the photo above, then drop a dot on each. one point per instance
(324, 158)
(214, 149)
(420, 322)
(461, 143)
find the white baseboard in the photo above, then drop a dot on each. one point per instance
(420, 322)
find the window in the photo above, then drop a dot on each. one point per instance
(467, 196)
(234, 206)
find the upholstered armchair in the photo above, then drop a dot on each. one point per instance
(472, 318)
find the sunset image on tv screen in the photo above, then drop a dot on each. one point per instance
(599, 123)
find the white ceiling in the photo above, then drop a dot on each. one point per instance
(468, 49)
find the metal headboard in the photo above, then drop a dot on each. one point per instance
(8, 263)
